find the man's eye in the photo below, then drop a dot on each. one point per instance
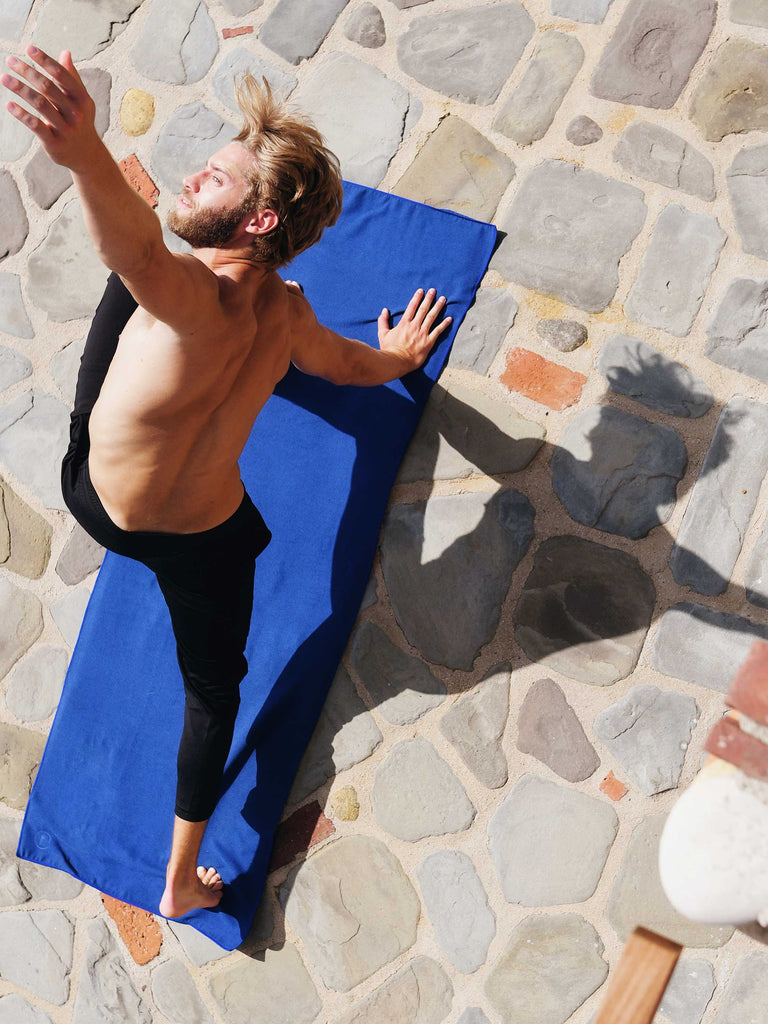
(217, 180)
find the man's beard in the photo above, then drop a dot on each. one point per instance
(207, 229)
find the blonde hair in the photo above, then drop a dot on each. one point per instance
(295, 174)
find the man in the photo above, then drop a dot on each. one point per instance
(183, 352)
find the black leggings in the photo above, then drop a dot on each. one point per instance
(206, 579)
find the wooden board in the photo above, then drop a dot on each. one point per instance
(641, 976)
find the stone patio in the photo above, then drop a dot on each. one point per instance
(575, 559)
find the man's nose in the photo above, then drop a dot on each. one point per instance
(192, 182)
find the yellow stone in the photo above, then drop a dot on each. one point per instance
(137, 111)
(344, 803)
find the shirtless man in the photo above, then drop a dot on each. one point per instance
(183, 352)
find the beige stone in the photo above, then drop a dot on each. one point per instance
(20, 754)
(30, 536)
(137, 112)
(344, 804)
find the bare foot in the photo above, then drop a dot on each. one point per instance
(182, 896)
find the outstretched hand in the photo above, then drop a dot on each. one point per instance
(64, 111)
(415, 334)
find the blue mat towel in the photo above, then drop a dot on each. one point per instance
(319, 465)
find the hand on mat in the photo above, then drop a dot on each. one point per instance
(65, 112)
(415, 334)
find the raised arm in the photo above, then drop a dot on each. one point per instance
(125, 230)
(323, 353)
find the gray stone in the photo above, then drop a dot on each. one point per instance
(295, 30)
(634, 368)
(46, 883)
(200, 950)
(756, 575)
(80, 557)
(567, 229)
(531, 108)
(279, 986)
(66, 277)
(20, 754)
(177, 43)
(34, 431)
(652, 52)
(189, 137)
(241, 7)
(359, 112)
(637, 897)
(473, 1015)
(584, 610)
(35, 686)
(703, 646)
(648, 732)
(365, 26)
(353, 908)
(660, 155)
(240, 61)
(617, 472)
(262, 926)
(405, 4)
(36, 952)
(550, 966)
(463, 432)
(345, 734)
(82, 26)
(457, 906)
(583, 131)
(14, 225)
(724, 497)
(65, 366)
(68, 613)
(13, 18)
(744, 12)
(12, 891)
(13, 315)
(592, 12)
(746, 992)
(401, 686)
(447, 564)
(46, 180)
(466, 54)
(688, 991)
(737, 335)
(676, 269)
(13, 366)
(474, 727)
(549, 729)
(564, 335)
(420, 993)
(14, 1009)
(747, 180)
(415, 794)
(21, 614)
(458, 169)
(732, 95)
(549, 844)
(105, 993)
(176, 996)
(371, 595)
(482, 331)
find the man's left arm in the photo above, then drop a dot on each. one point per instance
(125, 230)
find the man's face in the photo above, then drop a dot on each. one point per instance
(216, 201)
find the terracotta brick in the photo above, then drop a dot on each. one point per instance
(299, 833)
(541, 380)
(613, 787)
(139, 180)
(728, 742)
(228, 33)
(749, 689)
(138, 929)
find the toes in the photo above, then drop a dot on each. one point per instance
(210, 877)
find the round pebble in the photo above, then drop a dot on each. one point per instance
(344, 804)
(137, 112)
(583, 131)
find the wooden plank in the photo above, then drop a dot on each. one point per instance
(641, 976)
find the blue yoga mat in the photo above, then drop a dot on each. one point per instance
(319, 465)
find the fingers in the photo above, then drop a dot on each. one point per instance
(39, 102)
(64, 74)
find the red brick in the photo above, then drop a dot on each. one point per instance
(541, 380)
(299, 833)
(139, 180)
(728, 742)
(749, 690)
(613, 787)
(228, 33)
(138, 929)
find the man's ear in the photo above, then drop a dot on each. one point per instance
(261, 222)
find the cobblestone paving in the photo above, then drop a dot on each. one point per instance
(576, 555)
